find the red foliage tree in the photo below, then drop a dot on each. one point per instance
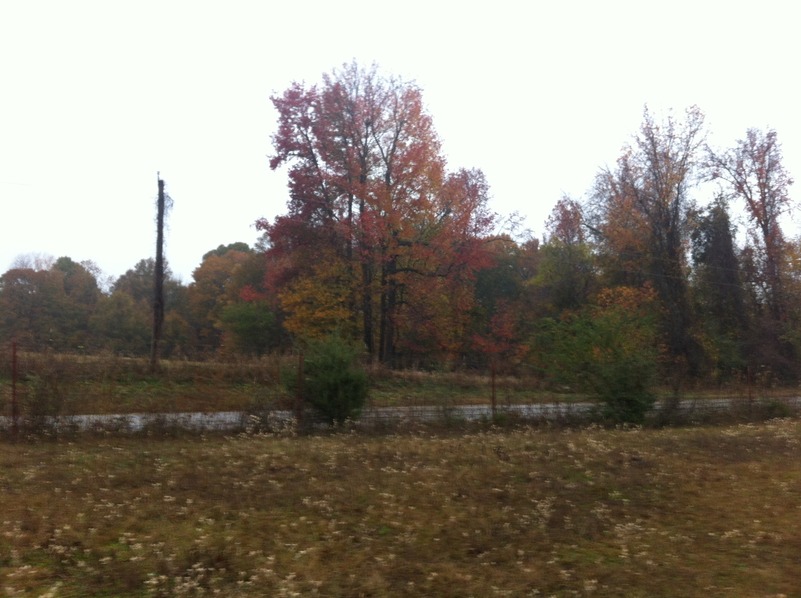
(368, 187)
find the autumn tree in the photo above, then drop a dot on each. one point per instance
(31, 305)
(252, 326)
(50, 307)
(436, 278)
(251, 320)
(213, 287)
(567, 272)
(500, 324)
(641, 210)
(502, 310)
(221, 249)
(82, 294)
(370, 199)
(80, 280)
(138, 282)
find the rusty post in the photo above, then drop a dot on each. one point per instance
(299, 390)
(493, 396)
(14, 404)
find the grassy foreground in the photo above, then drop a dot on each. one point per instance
(525, 512)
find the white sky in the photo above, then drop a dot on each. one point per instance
(96, 97)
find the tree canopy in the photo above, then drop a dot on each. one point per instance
(374, 221)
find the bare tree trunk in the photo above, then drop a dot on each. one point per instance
(158, 282)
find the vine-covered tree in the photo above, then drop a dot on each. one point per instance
(642, 209)
(753, 173)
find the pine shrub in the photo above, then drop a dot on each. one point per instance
(334, 382)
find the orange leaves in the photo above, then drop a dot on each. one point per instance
(316, 303)
(628, 299)
(565, 224)
(369, 198)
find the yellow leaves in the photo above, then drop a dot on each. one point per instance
(316, 303)
(626, 228)
(628, 299)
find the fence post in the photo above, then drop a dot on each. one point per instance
(492, 382)
(14, 404)
(299, 390)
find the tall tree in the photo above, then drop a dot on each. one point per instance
(649, 193)
(368, 190)
(753, 172)
(718, 286)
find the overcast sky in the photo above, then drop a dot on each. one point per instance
(97, 97)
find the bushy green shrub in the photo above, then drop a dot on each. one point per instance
(334, 383)
(608, 351)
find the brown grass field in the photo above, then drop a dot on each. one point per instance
(528, 511)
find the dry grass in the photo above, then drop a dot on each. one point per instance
(526, 512)
(72, 384)
(64, 384)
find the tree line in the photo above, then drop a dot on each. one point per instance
(381, 243)
(62, 305)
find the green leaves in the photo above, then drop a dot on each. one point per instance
(333, 383)
(608, 350)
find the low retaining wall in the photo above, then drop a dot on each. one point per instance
(239, 420)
